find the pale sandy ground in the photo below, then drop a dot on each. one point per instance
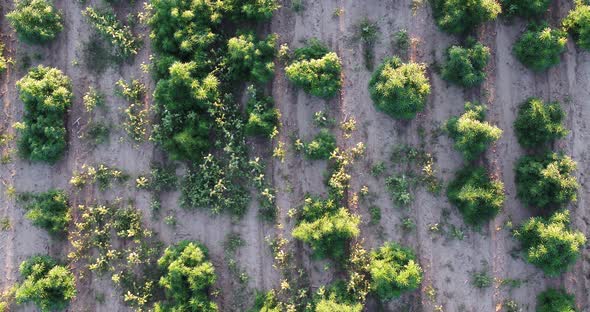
(447, 263)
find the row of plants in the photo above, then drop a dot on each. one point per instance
(120, 36)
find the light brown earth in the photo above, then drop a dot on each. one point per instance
(447, 263)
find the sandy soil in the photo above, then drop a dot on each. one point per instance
(447, 263)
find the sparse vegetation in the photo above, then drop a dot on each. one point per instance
(524, 8)
(540, 46)
(46, 93)
(400, 90)
(35, 21)
(549, 243)
(124, 43)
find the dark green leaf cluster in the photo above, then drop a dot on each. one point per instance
(266, 302)
(524, 8)
(472, 135)
(462, 16)
(47, 284)
(540, 46)
(465, 66)
(46, 93)
(539, 123)
(578, 24)
(326, 228)
(550, 244)
(546, 181)
(556, 300)
(187, 279)
(119, 35)
(399, 90)
(182, 103)
(316, 70)
(251, 59)
(322, 146)
(263, 118)
(35, 21)
(48, 210)
(478, 197)
(394, 270)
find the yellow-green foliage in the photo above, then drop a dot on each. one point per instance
(393, 271)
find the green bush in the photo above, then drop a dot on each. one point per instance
(266, 302)
(256, 9)
(3, 61)
(322, 146)
(335, 297)
(556, 300)
(188, 277)
(546, 181)
(465, 66)
(46, 93)
(326, 228)
(539, 123)
(399, 90)
(577, 23)
(182, 102)
(478, 197)
(48, 210)
(394, 270)
(472, 135)
(47, 284)
(462, 16)
(524, 8)
(251, 59)
(263, 118)
(550, 244)
(119, 35)
(540, 46)
(35, 21)
(316, 70)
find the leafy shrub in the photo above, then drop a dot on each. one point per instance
(316, 70)
(524, 8)
(577, 23)
(188, 277)
(399, 90)
(322, 146)
(540, 46)
(326, 228)
(545, 181)
(256, 9)
(266, 302)
(335, 297)
(3, 60)
(556, 300)
(263, 118)
(398, 187)
(181, 102)
(136, 116)
(478, 197)
(48, 210)
(46, 93)
(47, 284)
(465, 66)
(472, 135)
(549, 243)
(462, 16)
(539, 123)
(394, 270)
(249, 58)
(120, 36)
(35, 21)
(92, 99)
